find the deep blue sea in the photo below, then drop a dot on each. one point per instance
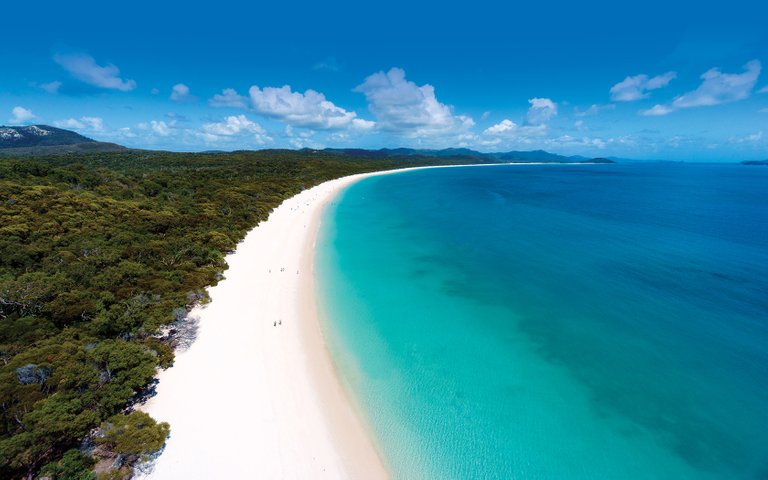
(555, 321)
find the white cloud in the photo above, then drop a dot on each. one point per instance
(51, 87)
(405, 108)
(228, 98)
(763, 110)
(154, 91)
(507, 135)
(657, 111)
(719, 87)
(716, 88)
(362, 124)
(503, 127)
(21, 116)
(309, 109)
(639, 86)
(84, 68)
(763, 90)
(94, 124)
(233, 126)
(159, 128)
(510, 134)
(180, 93)
(541, 110)
(125, 132)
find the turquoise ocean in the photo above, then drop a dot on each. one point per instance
(554, 321)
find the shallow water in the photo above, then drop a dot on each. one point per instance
(532, 322)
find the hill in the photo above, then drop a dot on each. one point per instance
(46, 140)
(41, 140)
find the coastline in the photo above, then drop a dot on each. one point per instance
(251, 399)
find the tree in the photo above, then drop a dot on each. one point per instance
(134, 435)
(73, 466)
(96, 254)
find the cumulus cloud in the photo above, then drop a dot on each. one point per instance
(510, 133)
(228, 98)
(403, 107)
(84, 68)
(94, 124)
(21, 116)
(309, 109)
(51, 87)
(180, 93)
(718, 87)
(639, 86)
(361, 124)
(541, 111)
(503, 127)
(159, 128)
(234, 126)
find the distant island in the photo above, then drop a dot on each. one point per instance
(755, 162)
(471, 156)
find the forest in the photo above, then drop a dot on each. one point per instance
(98, 253)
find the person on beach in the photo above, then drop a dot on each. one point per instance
(274, 324)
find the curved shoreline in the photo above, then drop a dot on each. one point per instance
(252, 399)
(249, 399)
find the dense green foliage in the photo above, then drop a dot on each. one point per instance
(99, 251)
(135, 434)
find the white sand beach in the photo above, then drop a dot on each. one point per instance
(249, 399)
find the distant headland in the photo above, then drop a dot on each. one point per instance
(755, 162)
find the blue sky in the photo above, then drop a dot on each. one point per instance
(654, 80)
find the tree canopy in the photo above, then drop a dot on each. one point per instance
(97, 253)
